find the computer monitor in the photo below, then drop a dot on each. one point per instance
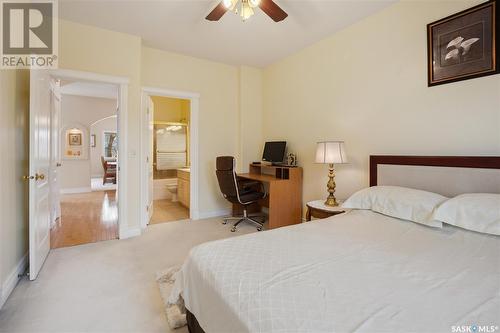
(274, 151)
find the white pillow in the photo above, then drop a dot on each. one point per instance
(401, 202)
(474, 211)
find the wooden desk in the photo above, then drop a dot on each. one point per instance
(284, 193)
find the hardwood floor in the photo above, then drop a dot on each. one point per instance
(168, 211)
(85, 218)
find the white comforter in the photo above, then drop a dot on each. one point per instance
(361, 272)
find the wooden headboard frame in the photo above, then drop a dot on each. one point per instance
(478, 162)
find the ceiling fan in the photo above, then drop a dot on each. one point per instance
(246, 9)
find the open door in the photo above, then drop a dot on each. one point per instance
(149, 158)
(39, 168)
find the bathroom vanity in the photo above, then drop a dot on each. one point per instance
(183, 186)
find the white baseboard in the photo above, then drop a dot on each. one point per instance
(130, 232)
(76, 190)
(216, 213)
(8, 286)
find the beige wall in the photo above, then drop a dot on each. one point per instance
(251, 116)
(14, 149)
(171, 109)
(230, 118)
(102, 51)
(367, 85)
(217, 85)
(83, 111)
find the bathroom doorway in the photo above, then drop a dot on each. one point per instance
(169, 188)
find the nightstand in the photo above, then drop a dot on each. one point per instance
(318, 209)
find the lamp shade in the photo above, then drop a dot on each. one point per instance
(331, 152)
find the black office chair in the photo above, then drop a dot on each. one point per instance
(239, 192)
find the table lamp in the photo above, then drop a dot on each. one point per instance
(331, 152)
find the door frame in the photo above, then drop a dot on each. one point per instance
(194, 99)
(56, 110)
(124, 231)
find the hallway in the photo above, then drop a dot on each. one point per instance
(85, 218)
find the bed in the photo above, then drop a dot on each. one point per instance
(358, 272)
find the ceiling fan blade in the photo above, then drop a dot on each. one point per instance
(217, 13)
(273, 10)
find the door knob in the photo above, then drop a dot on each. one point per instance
(28, 177)
(39, 176)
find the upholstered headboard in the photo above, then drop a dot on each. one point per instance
(446, 175)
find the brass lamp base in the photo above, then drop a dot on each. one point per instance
(331, 201)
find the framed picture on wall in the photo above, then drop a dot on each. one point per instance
(92, 141)
(464, 45)
(75, 139)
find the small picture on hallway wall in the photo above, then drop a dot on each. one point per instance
(75, 139)
(463, 46)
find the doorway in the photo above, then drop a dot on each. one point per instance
(170, 159)
(87, 169)
(45, 157)
(169, 174)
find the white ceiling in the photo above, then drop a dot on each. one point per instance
(179, 26)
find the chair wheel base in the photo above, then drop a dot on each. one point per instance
(233, 229)
(259, 229)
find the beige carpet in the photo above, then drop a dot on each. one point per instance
(108, 286)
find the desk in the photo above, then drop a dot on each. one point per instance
(284, 193)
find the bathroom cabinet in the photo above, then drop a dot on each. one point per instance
(183, 187)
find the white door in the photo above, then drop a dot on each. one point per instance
(55, 153)
(149, 157)
(39, 164)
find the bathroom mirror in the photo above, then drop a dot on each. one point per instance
(169, 148)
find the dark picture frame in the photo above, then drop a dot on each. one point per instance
(464, 45)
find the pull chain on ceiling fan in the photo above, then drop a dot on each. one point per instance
(246, 9)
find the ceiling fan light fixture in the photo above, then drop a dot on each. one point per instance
(254, 3)
(228, 4)
(246, 11)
